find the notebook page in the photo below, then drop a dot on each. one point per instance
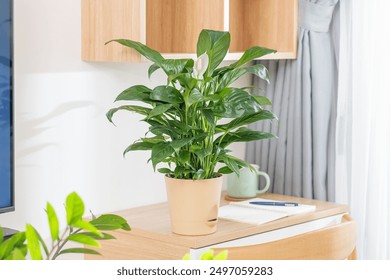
(288, 210)
(248, 214)
(245, 212)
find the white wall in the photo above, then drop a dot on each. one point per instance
(63, 140)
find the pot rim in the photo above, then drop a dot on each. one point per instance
(219, 175)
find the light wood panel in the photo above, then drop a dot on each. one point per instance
(336, 242)
(173, 26)
(106, 20)
(153, 222)
(267, 23)
(129, 245)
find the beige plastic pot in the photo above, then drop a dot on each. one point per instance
(193, 205)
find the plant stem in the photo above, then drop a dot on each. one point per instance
(61, 242)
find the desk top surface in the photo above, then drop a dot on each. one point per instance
(153, 222)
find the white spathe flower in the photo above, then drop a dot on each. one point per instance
(200, 66)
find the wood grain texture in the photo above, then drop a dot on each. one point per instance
(151, 236)
(337, 242)
(106, 20)
(132, 246)
(173, 26)
(267, 23)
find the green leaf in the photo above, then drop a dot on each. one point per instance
(110, 222)
(185, 79)
(219, 49)
(200, 174)
(74, 208)
(84, 225)
(166, 94)
(178, 143)
(176, 66)
(208, 255)
(184, 157)
(194, 97)
(247, 119)
(243, 135)
(231, 164)
(164, 170)
(225, 170)
(160, 109)
(213, 97)
(204, 43)
(223, 93)
(229, 77)
(242, 163)
(84, 239)
(259, 70)
(153, 140)
(251, 54)
(15, 241)
(236, 104)
(18, 254)
(139, 146)
(204, 152)
(103, 236)
(43, 244)
(160, 130)
(215, 44)
(179, 126)
(145, 51)
(195, 148)
(230, 159)
(53, 222)
(152, 69)
(79, 251)
(179, 170)
(144, 145)
(33, 243)
(160, 152)
(131, 108)
(209, 116)
(136, 93)
(262, 100)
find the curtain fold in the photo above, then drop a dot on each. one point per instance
(303, 93)
(363, 123)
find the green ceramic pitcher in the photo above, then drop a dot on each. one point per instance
(247, 184)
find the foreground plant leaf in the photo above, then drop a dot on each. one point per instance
(33, 243)
(53, 222)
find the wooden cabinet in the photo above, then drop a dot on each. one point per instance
(172, 26)
(151, 238)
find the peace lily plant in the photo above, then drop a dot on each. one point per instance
(187, 116)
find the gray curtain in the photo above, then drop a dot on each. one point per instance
(303, 93)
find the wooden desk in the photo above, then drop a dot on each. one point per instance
(151, 237)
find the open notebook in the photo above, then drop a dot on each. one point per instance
(259, 214)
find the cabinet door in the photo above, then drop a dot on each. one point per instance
(268, 23)
(172, 26)
(104, 20)
(273, 235)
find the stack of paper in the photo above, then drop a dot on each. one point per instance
(245, 212)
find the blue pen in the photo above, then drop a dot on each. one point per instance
(271, 203)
